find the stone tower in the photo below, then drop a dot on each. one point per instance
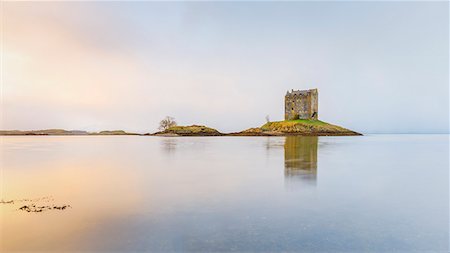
(301, 104)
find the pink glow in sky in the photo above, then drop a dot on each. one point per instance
(379, 67)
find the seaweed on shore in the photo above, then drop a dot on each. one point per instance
(37, 209)
(33, 207)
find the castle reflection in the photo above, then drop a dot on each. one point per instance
(300, 160)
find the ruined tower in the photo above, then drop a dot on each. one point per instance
(301, 104)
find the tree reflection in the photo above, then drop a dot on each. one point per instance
(169, 144)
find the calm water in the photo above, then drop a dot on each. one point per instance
(379, 193)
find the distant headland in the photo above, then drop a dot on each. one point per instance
(301, 117)
(63, 132)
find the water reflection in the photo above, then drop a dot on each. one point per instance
(86, 173)
(300, 160)
(210, 194)
(169, 144)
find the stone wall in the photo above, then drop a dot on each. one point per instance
(301, 104)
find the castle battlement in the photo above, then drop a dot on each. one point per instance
(301, 104)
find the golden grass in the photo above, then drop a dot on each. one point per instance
(192, 130)
(303, 126)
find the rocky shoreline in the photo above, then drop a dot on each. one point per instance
(297, 127)
(278, 128)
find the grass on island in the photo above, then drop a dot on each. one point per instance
(192, 130)
(302, 126)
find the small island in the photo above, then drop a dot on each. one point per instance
(297, 127)
(194, 130)
(301, 117)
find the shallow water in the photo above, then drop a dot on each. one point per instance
(376, 193)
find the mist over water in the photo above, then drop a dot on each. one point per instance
(380, 193)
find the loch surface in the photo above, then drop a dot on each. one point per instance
(373, 193)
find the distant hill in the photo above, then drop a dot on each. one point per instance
(62, 132)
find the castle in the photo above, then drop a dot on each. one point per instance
(301, 104)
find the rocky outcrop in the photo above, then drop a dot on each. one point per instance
(36, 205)
(297, 127)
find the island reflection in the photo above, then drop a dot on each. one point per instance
(169, 145)
(300, 160)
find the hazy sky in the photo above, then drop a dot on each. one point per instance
(379, 67)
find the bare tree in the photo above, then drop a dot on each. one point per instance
(167, 123)
(267, 118)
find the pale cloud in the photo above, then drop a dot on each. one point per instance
(114, 65)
